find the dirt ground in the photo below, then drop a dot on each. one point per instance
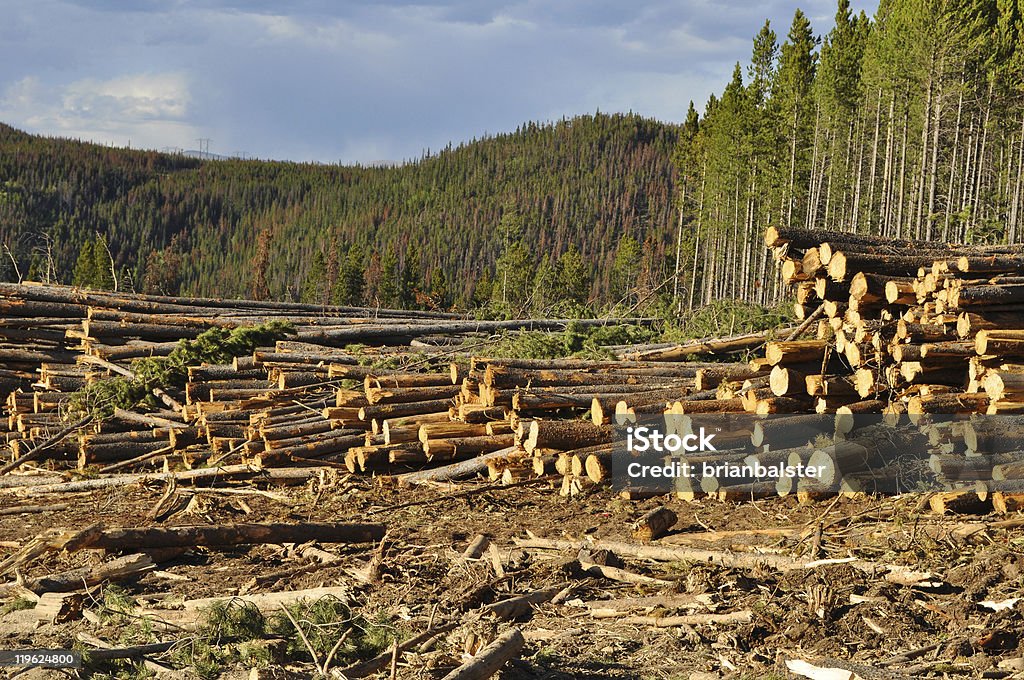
(833, 611)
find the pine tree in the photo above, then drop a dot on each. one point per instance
(440, 292)
(410, 282)
(163, 272)
(762, 65)
(314, 285)
(573, 276)
(85, 267)
(796, 112)
(483, 291)
(545, 286)
(350, 285)
(514, 276)
(388, 290)
(625, 270)
(103, 274)
(513, 284)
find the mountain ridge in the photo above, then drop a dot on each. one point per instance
(584, 182)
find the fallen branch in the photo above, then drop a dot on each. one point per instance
(224, 535)
(516, 607)
(894, 573)
(743, 616)
(811, 318)
(31, 509)
(491, 658)
(365, 668)
(465, 468)
(267, 602)
(228, 472)
(119, 569)
(621, 575)
(834, 669)
(52, 441)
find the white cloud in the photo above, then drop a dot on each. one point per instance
(362, 80)
(329, 34)
(144, 109)
(130, 98)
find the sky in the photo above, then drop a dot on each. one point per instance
(362, 81)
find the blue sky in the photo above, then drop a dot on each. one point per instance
(362, 80)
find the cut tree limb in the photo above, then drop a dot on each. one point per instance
(223, 535)
(491, 658)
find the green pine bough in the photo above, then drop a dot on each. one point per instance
(214, 346)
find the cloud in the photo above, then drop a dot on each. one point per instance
(362, 80)
(144, 109)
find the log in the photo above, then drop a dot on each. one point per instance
(38, 450)
(501, 377)
(563, 435)
(224, 535)
(876, 445)
(713, 346)
(987, 296)
(400, 395)
(1000, 342)
(834, 669)
(491, 658)
(119, 569)
(329, 441)
(654, 524)
(712, 377)
(450, 449)
(269, 602)
(709, 406)
(459, 470)
(339, 337)
(892, 573)
(1002, 385)
(387, 411)
(786, 381)
(802, 239)
(964, 501)
(795, 351)
(46, 484)
(844, 265)
(448, 430)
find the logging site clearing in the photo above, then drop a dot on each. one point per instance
(195, 487)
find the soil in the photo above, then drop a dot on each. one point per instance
(832, 611)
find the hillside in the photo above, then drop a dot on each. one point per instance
(175, 224)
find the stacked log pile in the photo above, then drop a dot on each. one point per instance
(304, 401)
(910, 331)
(922, 330)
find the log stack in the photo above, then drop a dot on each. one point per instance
(929, 331)
(922, 334)
(306, 401)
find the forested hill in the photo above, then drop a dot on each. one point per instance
(421, 234)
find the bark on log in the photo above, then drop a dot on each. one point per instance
(387, 411)
(738, 343)
(563, 435)
(226, 535)
(654, 524)
(120, 569)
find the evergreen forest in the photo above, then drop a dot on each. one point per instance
(908, 123)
